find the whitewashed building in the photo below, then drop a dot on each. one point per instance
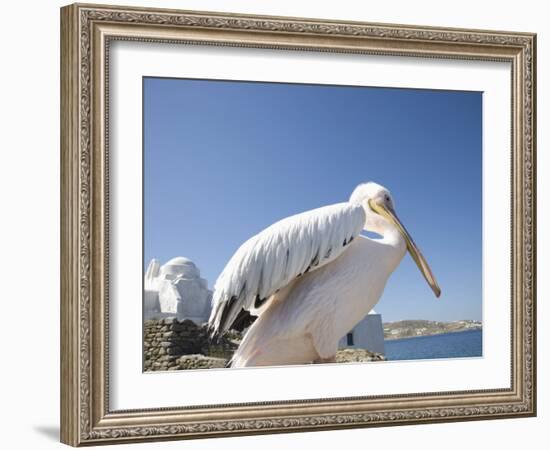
(176, 289)
(367, 334)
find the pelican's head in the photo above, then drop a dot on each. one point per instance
(380, 212)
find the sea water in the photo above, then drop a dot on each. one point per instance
(447, 345)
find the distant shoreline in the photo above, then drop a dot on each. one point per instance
(405, 329)
(431, 335)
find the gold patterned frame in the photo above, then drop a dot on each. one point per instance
(86, 32)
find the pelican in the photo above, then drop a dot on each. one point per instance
(310, 278)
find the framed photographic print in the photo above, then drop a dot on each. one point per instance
(276, 224)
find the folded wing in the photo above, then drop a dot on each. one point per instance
(279, 254)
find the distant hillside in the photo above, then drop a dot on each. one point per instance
(411, 328)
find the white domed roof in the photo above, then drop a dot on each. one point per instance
(181, 266)
(180, 261)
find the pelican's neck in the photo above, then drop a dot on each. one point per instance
(389, 232)
(392, 236)
(392, 247)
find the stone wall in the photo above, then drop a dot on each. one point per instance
(170, 344)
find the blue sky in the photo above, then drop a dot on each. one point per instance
(225, 159)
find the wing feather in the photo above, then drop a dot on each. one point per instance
(270, 260)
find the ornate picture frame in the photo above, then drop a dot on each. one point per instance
(87, 31)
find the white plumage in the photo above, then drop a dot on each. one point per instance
(280, 253)
(310, 278)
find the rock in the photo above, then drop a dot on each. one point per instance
(357, 355)
(199, 361)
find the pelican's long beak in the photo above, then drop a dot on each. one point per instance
(415, 252)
